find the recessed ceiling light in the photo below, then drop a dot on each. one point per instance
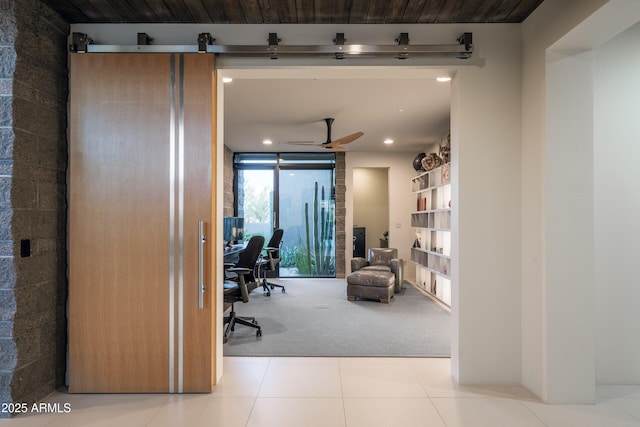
(388, 141)
(227, 80)
(443, 79)
(267, 142)
(400, 110)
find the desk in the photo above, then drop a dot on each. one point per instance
(230, 254)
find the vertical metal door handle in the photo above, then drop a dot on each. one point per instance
(201, 241)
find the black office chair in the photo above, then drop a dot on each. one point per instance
(270, 259)
(241, 286)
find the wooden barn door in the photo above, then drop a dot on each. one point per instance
(140, 186)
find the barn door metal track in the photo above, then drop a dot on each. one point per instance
(205, 43)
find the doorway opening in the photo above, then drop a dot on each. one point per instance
(370, 209)
(363, 154)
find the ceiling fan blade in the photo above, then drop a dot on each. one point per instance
(337, 148)
(302, 143)
(344, 140)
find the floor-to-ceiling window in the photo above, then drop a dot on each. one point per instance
(295, 192)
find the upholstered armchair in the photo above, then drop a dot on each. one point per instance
(382, 259)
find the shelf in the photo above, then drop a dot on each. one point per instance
(439, 219)
(437, 177)
(438, 273)
(432, 211)
(435, 187)
(433, 198)
(440, 229)
(433, 261)
(432, 221)
(435, 286)
(428, 251)
(428, 293)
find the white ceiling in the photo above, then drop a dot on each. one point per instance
(406, 105)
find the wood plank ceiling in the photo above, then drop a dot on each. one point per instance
(294, 11)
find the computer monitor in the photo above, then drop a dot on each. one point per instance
(233, 230)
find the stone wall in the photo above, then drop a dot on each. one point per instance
(33, 162)
(228, 196)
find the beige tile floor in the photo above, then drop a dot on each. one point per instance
(335, 392)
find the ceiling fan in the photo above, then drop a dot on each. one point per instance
(332, 145)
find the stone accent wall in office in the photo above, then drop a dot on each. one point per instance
(228, 197)
(341, 213)
(33, 162)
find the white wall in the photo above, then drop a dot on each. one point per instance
(569, 229)
(559, 245)
(617, 209)
(485, 144)
(556, 18)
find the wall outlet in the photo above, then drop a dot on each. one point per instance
(25, 248)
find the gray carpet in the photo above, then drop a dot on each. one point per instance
(314, 318)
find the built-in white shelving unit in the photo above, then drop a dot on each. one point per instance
(431, 251)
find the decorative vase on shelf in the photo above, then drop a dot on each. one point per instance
(417, 162)
(445, 149)
(445, 173)
(431, 161)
